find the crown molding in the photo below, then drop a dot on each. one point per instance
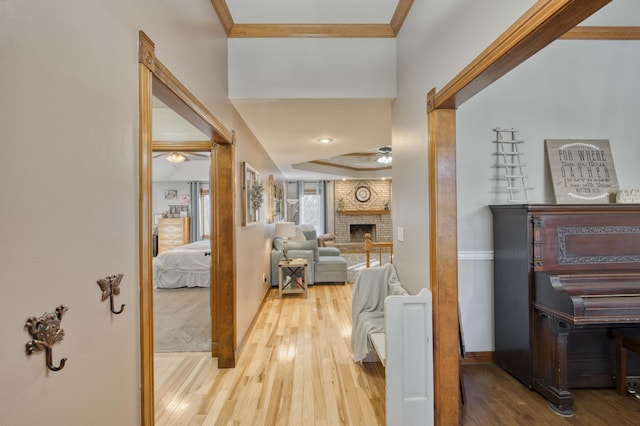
(224, 15)
(312, 30)
(602, 33)
(234, 30)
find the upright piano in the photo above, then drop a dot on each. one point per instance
(564, 277)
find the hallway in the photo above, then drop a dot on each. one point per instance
(297, 370)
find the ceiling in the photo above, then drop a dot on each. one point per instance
(167, 125)
(311, 11)
(289, 128)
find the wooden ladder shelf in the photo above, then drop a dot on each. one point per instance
(509, 159)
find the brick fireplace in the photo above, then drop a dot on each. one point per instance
(350, 228)
(354, 217)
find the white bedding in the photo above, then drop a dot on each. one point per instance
(184, 266)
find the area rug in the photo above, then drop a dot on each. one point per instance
(181, 320)
(358, 261)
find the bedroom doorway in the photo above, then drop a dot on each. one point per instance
(155, 80)
(181, 231)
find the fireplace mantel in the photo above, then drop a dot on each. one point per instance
(361, 212)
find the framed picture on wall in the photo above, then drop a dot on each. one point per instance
(275, 201)
(270, 199)
(170, 194)
(252, 190)
(278, 202)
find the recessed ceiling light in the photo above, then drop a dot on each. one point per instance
(325, 140)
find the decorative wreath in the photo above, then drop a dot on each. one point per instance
(255, 195)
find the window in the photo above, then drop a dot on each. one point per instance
(312, 204)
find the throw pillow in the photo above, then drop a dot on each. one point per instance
(310, 235)
(304, 245)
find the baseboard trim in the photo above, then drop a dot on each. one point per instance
(240, 347)
(478, 358)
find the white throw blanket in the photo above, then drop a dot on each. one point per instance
(367, 309)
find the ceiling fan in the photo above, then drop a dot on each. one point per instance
(179, 157)
(384, 155)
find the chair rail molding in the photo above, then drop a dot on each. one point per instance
(475, 255)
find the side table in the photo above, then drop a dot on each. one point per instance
(292, 277)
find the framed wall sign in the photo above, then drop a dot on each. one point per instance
(582, 171)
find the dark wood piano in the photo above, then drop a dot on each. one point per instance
(564, 276)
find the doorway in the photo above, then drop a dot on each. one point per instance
(155, 80)
(181, 232)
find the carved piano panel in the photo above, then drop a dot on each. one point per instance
(575, 271)
(586, 240)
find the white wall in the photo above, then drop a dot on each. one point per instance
(572, 89)
(69, 132)
(436, 41)
(567, 91)
(253, 243)
(159, 203)
(311, 68)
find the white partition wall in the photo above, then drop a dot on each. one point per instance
(409, 366)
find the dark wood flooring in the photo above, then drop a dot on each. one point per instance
(495, 398)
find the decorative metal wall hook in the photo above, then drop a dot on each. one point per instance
(110, 286)
(45, 331)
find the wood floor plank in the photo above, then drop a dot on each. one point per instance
(296, 369)
(494, 397)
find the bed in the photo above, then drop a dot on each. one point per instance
(183, 266)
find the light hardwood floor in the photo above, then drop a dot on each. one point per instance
(296, 369)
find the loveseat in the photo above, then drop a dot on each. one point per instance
(325, 265)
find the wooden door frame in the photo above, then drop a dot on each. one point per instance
(544, 22)
(155, 79)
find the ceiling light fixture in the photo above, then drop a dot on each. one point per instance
(385, 155)
(176, 157)
(325, 140)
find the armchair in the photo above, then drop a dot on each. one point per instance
(324, 263)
